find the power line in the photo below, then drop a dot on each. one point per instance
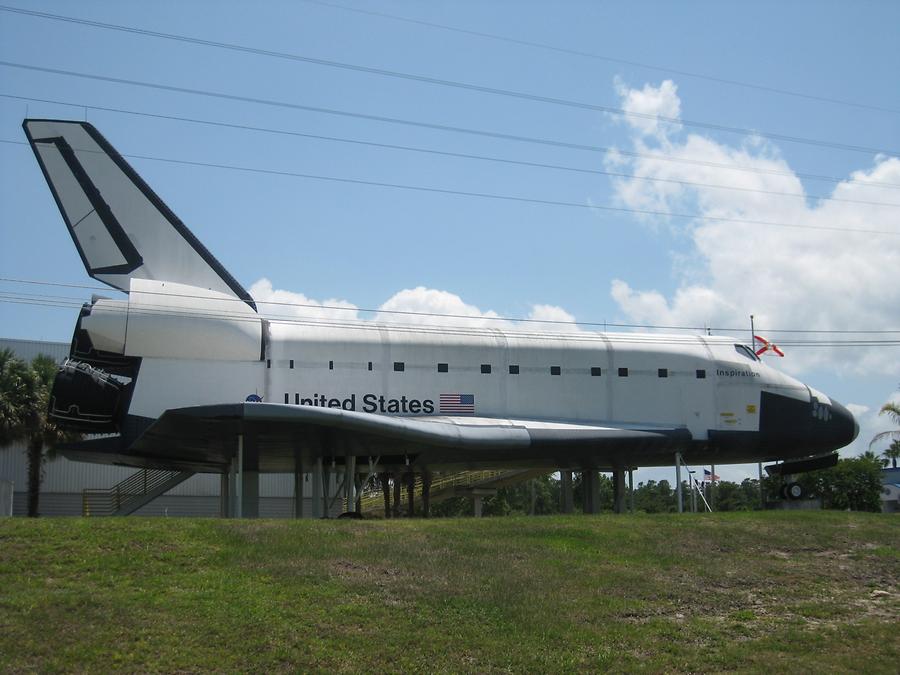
(600, 57)
(498, 197)
(426, 125)
(442, 153)
(494, 91)
(342, 308)
(427, 329)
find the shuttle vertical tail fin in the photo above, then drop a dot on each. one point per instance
(121, 228)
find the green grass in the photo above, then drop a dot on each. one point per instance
(739, 591)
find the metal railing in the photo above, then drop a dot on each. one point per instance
(128, 493)
(373, 497)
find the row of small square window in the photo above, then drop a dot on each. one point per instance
(400, 366)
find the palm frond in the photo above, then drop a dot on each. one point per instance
(877, 438)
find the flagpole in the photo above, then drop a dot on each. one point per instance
(752, 335)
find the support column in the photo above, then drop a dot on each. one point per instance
(762, 492)
(317, 489)
(298, 484)
(248, 452)
(426, 493)
(410, 494)
(398, 492)
(678, 481)
(631, 490)
(619, 491)
(383, 477)
(349, 482)
(233, 488)
(591, 486)
(328, 484)
(224, 510)
(476, 505)
(565, 492)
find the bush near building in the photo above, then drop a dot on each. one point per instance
(853, 484)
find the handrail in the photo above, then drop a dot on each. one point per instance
(373, 497)
(104, 502)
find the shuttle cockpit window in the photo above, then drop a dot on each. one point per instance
(746, 352)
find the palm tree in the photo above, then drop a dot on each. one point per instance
(893, 453)
(24, 398)
(892, 410)
(42, 432)
(17, 397)
(20, 407)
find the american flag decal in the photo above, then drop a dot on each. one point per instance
(457, 404)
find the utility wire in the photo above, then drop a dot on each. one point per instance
(459, 155)
(600, 57)
(498, 197)
(428, 125)
(342, 308)
(494, 91)
(150, 310)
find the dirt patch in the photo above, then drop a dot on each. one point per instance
(377, 575)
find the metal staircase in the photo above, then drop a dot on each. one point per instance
(137, 490)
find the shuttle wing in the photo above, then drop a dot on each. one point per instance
(195, 436)
(121, 228)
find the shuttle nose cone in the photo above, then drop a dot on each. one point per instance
(844, 427)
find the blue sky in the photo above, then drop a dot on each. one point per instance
(366, 245)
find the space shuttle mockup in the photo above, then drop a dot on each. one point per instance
(185, 371)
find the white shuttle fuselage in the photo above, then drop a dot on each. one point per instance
(187, 362)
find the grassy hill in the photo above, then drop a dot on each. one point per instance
(748, 591)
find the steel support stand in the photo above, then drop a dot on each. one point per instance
(317, 489)
(762, 492)
(678, 482)
(618, 491)
(631, 490)
(476, 505)
(224, 511)
(249, 479)
(591, 487)
(349, 472)
(298, 485)
(566, 492)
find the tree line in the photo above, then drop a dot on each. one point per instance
(854, 483)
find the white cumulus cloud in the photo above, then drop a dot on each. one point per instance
(435, 307)
(410, 306)
(280, 304)
(646, 106)
(805, 276)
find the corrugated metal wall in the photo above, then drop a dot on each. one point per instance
(65, 480)
(28, 349)
(62, 475)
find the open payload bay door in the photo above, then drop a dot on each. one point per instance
(121, 228)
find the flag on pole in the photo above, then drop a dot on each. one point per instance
(709, 476)
(766, 346)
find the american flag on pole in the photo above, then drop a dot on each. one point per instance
(709, 476)
(457, 404)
